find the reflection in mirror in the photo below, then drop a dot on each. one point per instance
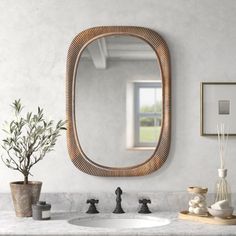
(118, 101)
(148, 113)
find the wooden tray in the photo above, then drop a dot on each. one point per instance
(185, 215)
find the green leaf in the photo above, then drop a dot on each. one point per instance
(17, 106)
(28, 117)
(5, 140)
(16, 149)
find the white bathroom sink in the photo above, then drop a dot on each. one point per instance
(119, 222)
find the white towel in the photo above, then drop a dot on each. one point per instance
(224, 204)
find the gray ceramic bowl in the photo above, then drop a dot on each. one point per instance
(223, 213)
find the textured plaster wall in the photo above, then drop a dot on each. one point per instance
(34, 38)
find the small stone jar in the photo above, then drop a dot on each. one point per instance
(41, 211)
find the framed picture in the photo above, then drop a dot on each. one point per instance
(218, 106)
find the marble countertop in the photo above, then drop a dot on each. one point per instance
(58, 225)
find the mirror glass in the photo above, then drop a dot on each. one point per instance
(118, 101)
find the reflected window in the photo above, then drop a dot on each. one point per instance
(147, 113)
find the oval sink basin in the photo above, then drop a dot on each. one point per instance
(120, 222)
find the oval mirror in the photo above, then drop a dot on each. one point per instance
(118, 100)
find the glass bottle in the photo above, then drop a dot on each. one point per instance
(197, 203)
(223, 191)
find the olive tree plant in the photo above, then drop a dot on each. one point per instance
(28, 139)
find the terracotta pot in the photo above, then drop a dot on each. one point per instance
(24, 195)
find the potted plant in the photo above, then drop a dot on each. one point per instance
(28, 139)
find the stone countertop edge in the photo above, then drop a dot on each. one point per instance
(58, 225)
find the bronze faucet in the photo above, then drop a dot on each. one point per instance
(118, 209)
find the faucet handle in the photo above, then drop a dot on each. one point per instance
(92, 208)
(144, 201)
(144, 207)
(92, 201)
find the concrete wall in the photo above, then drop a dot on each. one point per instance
(34, 39)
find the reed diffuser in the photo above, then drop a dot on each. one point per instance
(223, 191)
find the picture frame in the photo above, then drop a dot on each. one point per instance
(218, 106)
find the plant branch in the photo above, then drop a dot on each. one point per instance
(28, 139)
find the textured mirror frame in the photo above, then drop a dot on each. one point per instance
(78, 157)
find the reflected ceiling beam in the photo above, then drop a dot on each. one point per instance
(135, 51)
(98, 53)
(133, 55)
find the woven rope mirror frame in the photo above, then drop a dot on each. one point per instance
(77, 155)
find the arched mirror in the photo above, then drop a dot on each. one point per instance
(118, 101)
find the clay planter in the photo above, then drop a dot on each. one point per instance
(24, 195)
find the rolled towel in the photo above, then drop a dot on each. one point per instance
(200, 211)
(202, 205)
(199, 198)
(192, 203)
(191, 209)
(224, 204)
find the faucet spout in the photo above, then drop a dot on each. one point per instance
(118, 209)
